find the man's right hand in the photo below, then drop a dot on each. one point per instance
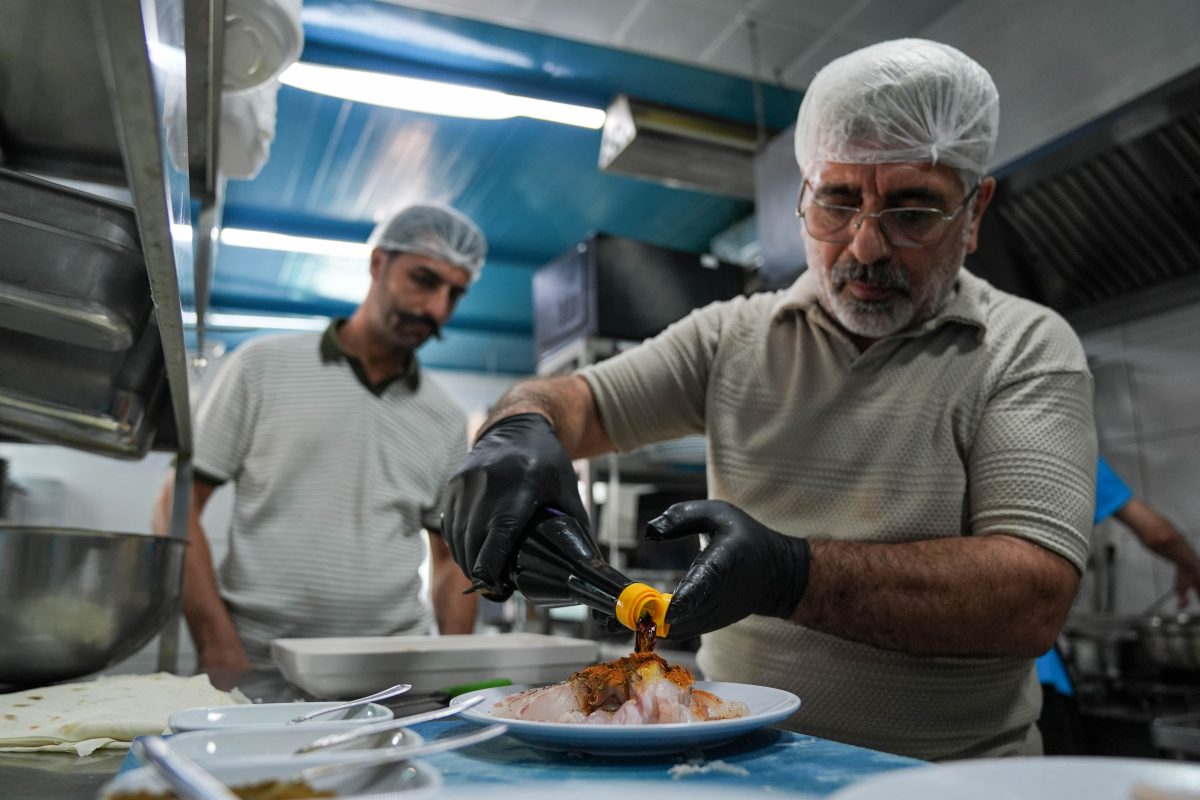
(517, 467)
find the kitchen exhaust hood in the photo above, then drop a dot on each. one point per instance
(1104, 225)
(678, 148)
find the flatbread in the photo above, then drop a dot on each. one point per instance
(106, 712)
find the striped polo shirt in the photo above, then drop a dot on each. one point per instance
(976, 421)
(335, 479)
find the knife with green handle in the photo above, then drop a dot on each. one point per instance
(444, 695)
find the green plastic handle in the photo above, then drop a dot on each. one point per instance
(455, 691)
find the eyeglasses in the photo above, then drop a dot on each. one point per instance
(902, 226)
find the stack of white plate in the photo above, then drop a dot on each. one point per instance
(252, 744)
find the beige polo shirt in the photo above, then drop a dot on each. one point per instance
(977, 421)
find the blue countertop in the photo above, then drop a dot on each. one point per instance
(768, 760)
(764, 759)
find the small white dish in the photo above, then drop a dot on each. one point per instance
(213, 717)
(415, 778)
(767, 706)
(1093, 777)
(274, 741)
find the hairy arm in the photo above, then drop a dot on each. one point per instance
(454, 611)
(218, 645)
(1158, 535)
(971, 596)
(567, 401)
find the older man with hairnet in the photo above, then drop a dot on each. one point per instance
(339, 446)
(901, 457)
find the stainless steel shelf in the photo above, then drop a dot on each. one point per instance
(124, 93)
(104, 96)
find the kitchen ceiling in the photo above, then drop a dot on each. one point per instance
(534, 187)
(794, 39)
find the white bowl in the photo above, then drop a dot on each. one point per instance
(212, 717)
(227, 745)
(415, 778)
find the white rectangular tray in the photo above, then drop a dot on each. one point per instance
(356, 666)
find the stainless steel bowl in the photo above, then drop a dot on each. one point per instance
(73, 602)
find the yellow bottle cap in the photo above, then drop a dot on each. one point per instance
(637, 600)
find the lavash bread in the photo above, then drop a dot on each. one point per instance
(106, 712)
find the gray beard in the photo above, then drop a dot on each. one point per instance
(875, 320)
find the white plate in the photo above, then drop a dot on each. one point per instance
(414, 778)
(252, 742)
(1027, 779)
(766, 705)
(211, 717)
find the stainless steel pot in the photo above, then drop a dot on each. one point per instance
(1099, 645)
(1171, 642)
(73, 602)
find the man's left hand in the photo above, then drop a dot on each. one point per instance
(746, 569)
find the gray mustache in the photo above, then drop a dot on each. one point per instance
(404, 316)
(883, 276)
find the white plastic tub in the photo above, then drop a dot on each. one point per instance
(356, 666)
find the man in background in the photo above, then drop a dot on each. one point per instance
(1156, 533)
(1062, 729)
(339, 447)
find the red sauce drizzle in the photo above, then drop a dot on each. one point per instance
(647, 635)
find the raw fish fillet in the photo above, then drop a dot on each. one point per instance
(636, 690)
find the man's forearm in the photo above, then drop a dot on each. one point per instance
(453, 610)
(1158, 534)
(1179, 552)
(207, 616)
(567, 402)
(964, 596)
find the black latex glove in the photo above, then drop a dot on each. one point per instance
(607, 623)
(517, 467)
(746, 569)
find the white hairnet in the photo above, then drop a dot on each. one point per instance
(897, 101)
(435, 231)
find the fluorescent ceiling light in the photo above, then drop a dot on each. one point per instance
(340, 284)
(433, 97)
(265, 240)
(217, 319)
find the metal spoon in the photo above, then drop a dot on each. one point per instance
(399, 688)
(392, 754)
(367, 731)
(185, 777)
